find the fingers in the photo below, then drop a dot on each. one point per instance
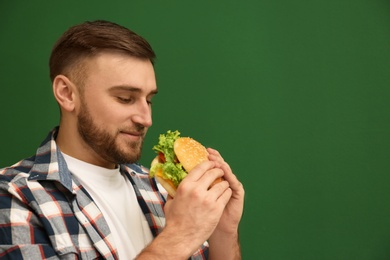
(215, 156)
(208, 167)
(203, 176)
(221, 191)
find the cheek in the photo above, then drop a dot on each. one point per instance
(100, 112)
(110, 116)
(105, 111)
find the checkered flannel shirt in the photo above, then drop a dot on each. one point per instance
(45, 213)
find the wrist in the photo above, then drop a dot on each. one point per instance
(224, 245)
(220, 235)
(169, 244)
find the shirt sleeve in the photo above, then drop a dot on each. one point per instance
(21, 233)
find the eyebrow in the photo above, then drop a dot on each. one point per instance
(132, 89)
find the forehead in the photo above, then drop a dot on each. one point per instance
(116, 69)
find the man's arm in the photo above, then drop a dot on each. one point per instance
(168, 245)
(224, 246)
(224, 242)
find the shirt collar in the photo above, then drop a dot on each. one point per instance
(49, 164)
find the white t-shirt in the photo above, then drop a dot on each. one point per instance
(115, 197)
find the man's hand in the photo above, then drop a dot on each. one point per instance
(200, 212)
(193, 215)
(196, 209)
(234, 208)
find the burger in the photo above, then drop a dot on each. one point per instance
(176, 157)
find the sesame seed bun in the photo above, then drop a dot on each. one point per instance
(189, 152)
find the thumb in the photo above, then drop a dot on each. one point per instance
(168, 203)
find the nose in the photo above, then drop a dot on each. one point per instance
(143, 114)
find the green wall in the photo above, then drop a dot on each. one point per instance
(295, 95)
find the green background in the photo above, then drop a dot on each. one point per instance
(294, 94)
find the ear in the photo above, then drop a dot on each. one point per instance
(65, 93)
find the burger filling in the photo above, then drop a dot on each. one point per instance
(168, 167)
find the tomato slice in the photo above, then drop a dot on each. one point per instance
(161, 157)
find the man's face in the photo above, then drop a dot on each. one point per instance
(115, 106)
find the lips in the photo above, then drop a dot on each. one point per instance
(134, 134)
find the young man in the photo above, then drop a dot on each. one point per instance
(82, 196)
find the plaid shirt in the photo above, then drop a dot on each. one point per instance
(45, 213)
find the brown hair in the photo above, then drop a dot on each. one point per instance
(91, 38)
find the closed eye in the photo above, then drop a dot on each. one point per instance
(125, 100)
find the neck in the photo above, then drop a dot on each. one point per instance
(70, 142)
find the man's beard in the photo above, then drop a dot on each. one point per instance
(104, 143)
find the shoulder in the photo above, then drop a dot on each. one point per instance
(16, 171)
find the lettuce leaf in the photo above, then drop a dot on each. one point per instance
(171, 169)
(165, 145)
